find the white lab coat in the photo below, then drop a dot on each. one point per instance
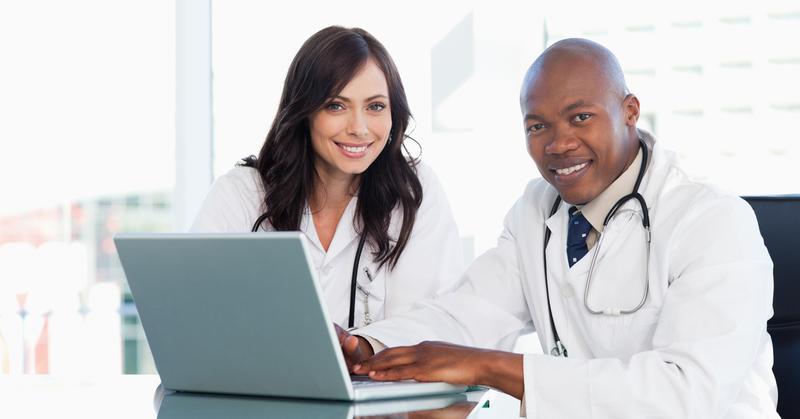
(431, 261)
(697, 349)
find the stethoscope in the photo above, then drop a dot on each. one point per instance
(558, 347)
(354, 285)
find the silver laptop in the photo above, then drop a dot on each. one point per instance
(202, 406)
(243, 314)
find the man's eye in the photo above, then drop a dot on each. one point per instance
(581, 117)
(535, 127)
(334, 106)
(377, 106)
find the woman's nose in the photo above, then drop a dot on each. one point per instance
(358, 125)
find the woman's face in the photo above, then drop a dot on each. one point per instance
(352, 128)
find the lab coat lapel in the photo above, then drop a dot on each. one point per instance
(345, 234)
(307, 227)
(558, 272)
(557, 247)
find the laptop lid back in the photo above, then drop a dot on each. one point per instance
(234, 313)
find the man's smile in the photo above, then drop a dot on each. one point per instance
(567, 171)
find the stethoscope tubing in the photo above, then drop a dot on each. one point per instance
(559, 349)
(590, 275)
(354, 282)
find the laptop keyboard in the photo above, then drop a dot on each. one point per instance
(364, 381)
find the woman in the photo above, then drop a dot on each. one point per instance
(333, 166)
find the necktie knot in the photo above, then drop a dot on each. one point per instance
(579, 228)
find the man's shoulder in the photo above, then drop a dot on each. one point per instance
(690, 202)
(690, 193)
(705, 224)
(679, 190)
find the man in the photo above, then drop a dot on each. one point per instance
(667, 323)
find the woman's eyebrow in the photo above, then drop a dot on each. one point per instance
(373, 97)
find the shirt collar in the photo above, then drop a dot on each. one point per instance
(344, 235)
(595, 211)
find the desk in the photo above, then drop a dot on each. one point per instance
(135, 396)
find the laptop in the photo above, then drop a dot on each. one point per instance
(243, 314)
(212, 406)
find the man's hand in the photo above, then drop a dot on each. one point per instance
(355, 348)
(439, 361)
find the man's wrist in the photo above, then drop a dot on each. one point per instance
(502, 371)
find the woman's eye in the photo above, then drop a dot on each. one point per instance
(334, 106)
(377, 107)
(581, 117)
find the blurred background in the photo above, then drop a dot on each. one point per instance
(115, 116)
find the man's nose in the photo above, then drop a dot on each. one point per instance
(563, 140)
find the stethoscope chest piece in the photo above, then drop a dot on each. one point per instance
(558, 349)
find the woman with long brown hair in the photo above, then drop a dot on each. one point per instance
(334, 166)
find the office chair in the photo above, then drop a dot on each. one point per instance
(779, 221)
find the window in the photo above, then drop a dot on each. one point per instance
(87, 138)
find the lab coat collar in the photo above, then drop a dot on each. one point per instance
(596, 210)
(658, 169)
(344, 235)
(307, 227)
(558, 220)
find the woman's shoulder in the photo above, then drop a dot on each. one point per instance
(240, 186)
(232, 204)
(242, 179)
(425, 173)
(434, 195)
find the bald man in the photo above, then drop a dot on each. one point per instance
(659, 313)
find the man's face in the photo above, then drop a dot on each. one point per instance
(578, 128)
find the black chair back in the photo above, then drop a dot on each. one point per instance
(779, 221)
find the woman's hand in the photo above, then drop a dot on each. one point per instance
(354, 348)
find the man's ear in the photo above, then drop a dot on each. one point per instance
(630, 106)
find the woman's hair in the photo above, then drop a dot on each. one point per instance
(323, 66)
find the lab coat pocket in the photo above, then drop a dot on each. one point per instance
(622, 336)
(619, 283)
(618, 279)
(370, 294)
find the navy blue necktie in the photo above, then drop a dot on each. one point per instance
(579, 228)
